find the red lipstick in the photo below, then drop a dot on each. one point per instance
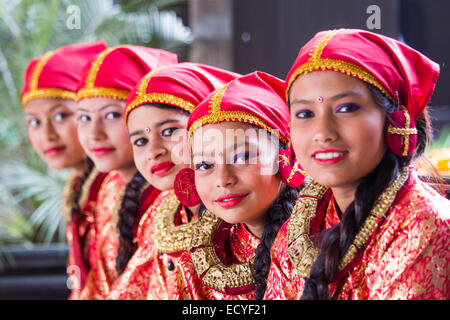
(102, 151)
(329, 156)
(230, 200)
(54, 151)
(162, 168)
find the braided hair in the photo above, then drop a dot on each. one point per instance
(128, 213)
(335, 241)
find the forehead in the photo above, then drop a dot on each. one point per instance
(325, 83)
(223, 135)
(148, 115)
(96, 103)
(46, 105)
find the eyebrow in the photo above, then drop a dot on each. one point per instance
(102, 108)
(56, 106)
(157, 125)
(333, 98)
(233, 147)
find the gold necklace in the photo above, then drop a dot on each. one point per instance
(168, 237)
(301, 249)
(206, 262)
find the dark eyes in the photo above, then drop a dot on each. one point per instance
(60, 116)
(204, 165)
(168, 132)
(342, 108)
(33, 122)
(241, 158)
(84, 118)
(113, 115)
(140, 142)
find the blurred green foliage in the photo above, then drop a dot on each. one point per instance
(29, 191)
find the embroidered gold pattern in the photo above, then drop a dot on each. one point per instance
(315, 62)
(295, 170)
(68, 196)
(206, 262)
(216, 115)
(168, 237)
(90, 90)
(302, 251)
(115, 211)
(36, 93)
(404, 132)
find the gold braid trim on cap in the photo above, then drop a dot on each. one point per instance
(216, 115)
(168, 237)
(315, 63)
(404, 132)
(208, 265)
(36, 93)
(301, 249)
(90, 90)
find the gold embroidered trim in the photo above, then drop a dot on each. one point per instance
(295, 170)
(68, 196)
(404, 132)
(35, 93)
(115, 212)
(95, 66)
(206, 262)
(315, 63)
(302, 251)
(102, 92)
(48, 93)
(168, 237)
(86, 188)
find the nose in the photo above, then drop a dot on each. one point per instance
(50, 133)
(97, 131)
(155, 148)
(225, 176)
(324, 130)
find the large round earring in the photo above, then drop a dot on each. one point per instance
(290, 170)
(401, 132)
(184, 188)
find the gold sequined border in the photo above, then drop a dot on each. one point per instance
(208, 265)
(315, 63)
(168, 237)
(56, 93)
(68, 195)
(115, 211)
(100, 92)
(301, 250)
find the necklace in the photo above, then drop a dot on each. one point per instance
(208, 265)
(301, 249)
(168, 237)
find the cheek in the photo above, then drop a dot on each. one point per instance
(300, 140)
(203, 184)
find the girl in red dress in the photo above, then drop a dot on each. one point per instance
(366, 227)
(235, 136)
(124, 195)
(48, 99)
(156, 117)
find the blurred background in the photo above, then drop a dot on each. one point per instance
(239, 35)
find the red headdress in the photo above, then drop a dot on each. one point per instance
(401, 73)
(256, 98)
(183, 85)
(56, 74)
(116, 71)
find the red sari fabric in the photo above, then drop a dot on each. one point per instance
(105, 242)
(407, 258)
(78, 236)
(238, 248)
(150, 274)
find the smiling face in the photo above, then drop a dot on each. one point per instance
(159, 145)
(233, 175)
(103, 134)
(52, 131)
(337, 129)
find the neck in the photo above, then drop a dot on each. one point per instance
(256, 228)
(80, 167)
(127, 173)
(344, 196)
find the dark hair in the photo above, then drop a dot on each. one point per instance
(276, 216)
(128, 213)
(335, 241)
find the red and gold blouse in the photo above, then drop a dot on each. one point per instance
(406, 256)
(220, 270)
(103, 253)
(164, 232)
(78, 225)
